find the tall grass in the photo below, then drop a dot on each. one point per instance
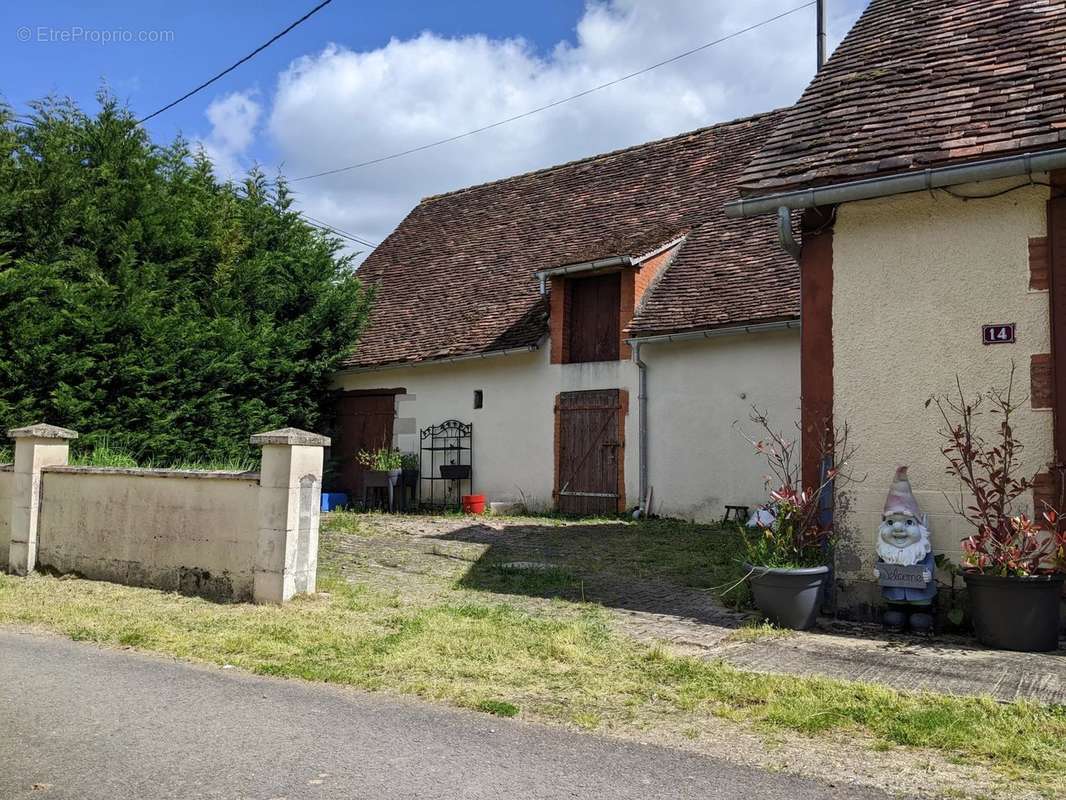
(104, 453)
(502, 660)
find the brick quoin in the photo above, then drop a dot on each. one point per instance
(558, 311)
(1038, 264)
(626, 311)
(635, 282)
(1041, 388)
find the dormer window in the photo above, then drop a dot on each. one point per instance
(593, 325)
(592, 302)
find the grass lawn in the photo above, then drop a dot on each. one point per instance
(577, 557)
(567, 666)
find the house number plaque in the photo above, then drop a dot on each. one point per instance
(998, 334)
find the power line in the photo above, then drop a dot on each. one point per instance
(356, 237)
(555, 103)
(230, 69)
(339, 233)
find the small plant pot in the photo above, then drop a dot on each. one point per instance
(455, 472)
(788, 597)
(410, 477)
(1011, 613)
(474, 503)
(380, 479)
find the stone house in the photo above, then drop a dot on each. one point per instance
(928, 161)
(600, 325)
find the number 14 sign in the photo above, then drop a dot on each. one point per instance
(998, 334)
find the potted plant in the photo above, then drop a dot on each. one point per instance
(788, 542)
(1012, 563)
(383, 467)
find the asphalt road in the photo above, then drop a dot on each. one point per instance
(78, 721)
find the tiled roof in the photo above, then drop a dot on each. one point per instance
(922, 83)
(457, 276)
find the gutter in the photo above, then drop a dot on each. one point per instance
(918, 181)
(642, 382)
(602, 263)
(713, 333)
(445, 360)
(584, 266)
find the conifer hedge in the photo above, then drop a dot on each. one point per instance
(147, 304)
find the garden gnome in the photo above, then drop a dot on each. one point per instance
(905, 566)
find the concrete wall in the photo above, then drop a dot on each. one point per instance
(914, 278)
(697, 389)
(7, 486)
(187, 531)
(224, 535)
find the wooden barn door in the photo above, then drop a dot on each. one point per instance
(364, 422)
(590, 452)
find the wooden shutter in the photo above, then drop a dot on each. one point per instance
(593, 323)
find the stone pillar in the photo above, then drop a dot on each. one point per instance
(290, 498)
(36, 447)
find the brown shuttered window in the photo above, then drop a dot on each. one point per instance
(593, 319)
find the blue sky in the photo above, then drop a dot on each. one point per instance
(209, 36)
(360, 80)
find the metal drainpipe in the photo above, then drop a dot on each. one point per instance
(642, 425)
(821, 34)
(785, 237)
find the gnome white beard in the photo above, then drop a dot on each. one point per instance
(908, 554)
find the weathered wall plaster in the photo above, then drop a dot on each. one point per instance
(7, 485)
(172, 531)
(224, 535)
(915, 277)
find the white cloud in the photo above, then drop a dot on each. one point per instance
(339, 106)
(233, 119)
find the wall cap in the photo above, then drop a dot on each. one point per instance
(42, 431)
(152, 472)
(290, 436)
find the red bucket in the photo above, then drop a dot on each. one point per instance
(474, 503)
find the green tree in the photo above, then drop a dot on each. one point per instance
(145, 301)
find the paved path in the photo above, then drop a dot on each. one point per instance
(82, 722)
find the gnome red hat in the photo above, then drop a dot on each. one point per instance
(900, 499)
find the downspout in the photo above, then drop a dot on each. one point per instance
(822, 51)
(642, 427)
(786, 238)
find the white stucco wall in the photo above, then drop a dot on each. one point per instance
(697, 462)
(7, 485)
(197, 533)
(914, 278)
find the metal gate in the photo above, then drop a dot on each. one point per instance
(590, 451)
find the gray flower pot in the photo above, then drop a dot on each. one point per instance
(1016, 613)
(788, 597)
(380, 479)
